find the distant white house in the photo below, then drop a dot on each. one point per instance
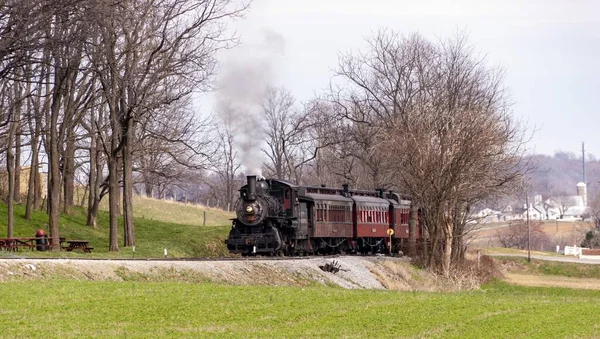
(520, 213)
(567, 208)
(535, 212)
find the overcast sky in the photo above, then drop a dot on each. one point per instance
(549, 49)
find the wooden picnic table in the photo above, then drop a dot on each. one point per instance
(8, 244)
(14, 243)
(79, 245)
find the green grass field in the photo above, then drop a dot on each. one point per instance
(170, 309)
(158, 225)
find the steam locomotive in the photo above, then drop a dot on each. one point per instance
(275, 217)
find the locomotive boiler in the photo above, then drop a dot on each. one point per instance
(275, 217)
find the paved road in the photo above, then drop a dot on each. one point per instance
(487, 227)
(552, 258)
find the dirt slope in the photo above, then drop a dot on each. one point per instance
(355, 272)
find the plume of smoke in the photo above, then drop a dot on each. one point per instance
(247, 72)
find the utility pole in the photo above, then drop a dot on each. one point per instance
(583, 160)
(528, 226)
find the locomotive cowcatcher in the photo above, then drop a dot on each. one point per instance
(275, 217)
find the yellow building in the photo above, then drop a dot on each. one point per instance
(24, 182)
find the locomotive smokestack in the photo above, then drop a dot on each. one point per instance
(251, 187)
(345, 189)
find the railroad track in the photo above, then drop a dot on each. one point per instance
(256, 258)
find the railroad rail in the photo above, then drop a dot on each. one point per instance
(256, 258)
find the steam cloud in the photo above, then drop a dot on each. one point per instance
(247, 72)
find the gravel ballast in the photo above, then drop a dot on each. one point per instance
(355, 272)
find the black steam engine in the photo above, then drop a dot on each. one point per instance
(259, 218)
(274, 217)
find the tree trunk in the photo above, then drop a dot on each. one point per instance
(54, 186)
(99, 180)
(433, 249)
(96, 167)
(17, 194)
(447, 259)
(412, 230)
(91, 215)
(69, 172)
(126, 150)
(447, 254)
(113, 199)
(38, 118)
(33, 177)
(35, 130)
(148, 189)
(10, 160)
(95, 200)
(84, 196)
(119, 175)
(458, 247)
(113, 183)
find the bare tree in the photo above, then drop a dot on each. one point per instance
(172, 143)
(22, 32)
(447, 127)
(226, 165)
(325, 131)
(148, 47)
(95, 125)
(313, 136)
(281, 120)
(562, 201)
(592, 236)
(336, 164)
(289, 144)
(516, 235)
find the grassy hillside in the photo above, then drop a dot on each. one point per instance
(177, 213)
(158, 225)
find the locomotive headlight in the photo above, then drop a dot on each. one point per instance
(249, 209)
